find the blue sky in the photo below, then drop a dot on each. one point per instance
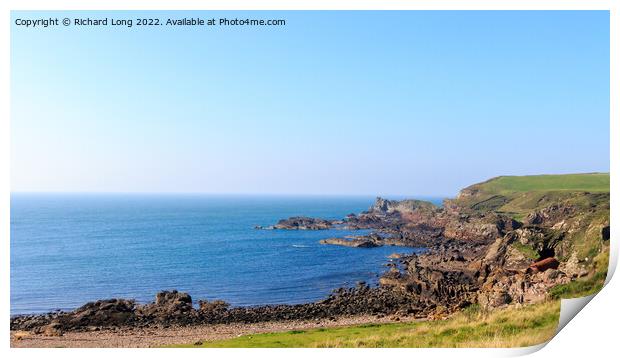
(373, 103)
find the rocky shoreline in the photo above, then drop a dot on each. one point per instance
(475, 256)
(176, 308)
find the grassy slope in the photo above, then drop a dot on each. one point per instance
(593, 182)
(519, 195)
(514, 327)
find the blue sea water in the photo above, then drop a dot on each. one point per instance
(68, 249)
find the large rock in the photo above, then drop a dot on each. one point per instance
(303, 223)
(544, 264)
(112, 312)
(169, 305)
(356, 242)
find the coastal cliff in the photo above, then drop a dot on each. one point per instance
(509, 240)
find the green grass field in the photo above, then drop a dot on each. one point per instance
(513, 327)
(592, 182)
(519, 195)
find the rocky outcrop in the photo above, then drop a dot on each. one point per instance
(301, 223)
(384, 206)
(375, 239)
(573, 267)
(478, 255)
(168, 306)
(356, 242)
(112, 312)
(372, 221)
(477, 227)
(542, 240)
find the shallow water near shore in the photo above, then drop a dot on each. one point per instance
(68, 249)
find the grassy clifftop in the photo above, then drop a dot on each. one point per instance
(519, 195)
(592, 182)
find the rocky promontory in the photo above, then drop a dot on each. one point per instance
(495, 243)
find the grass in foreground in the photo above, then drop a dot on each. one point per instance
(513, 327)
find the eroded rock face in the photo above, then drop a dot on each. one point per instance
(483, 228)
(550, 215)
(502, 287)
(544, 241)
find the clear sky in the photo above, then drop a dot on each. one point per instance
(376, 103)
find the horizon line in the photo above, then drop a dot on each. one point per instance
(229, 193)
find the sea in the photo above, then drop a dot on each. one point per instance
(69, 249)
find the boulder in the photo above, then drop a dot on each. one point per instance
(111, 312)
(544, 264)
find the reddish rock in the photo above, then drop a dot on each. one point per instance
(545, 264)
